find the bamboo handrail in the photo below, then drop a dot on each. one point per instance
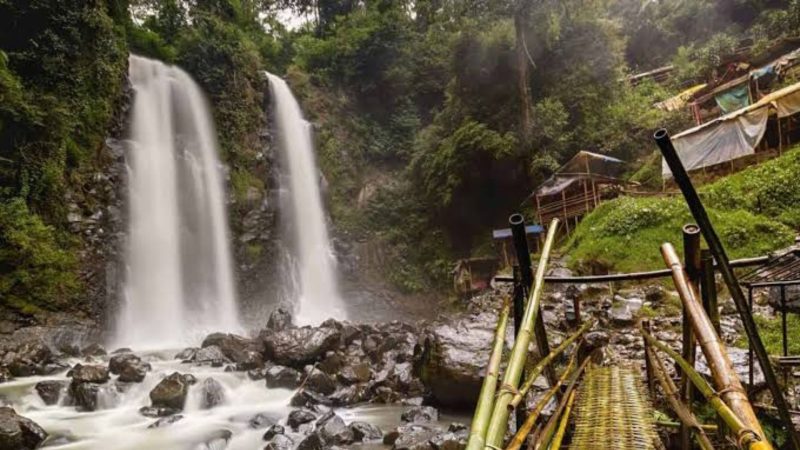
(719, 362)
(746, 437)
(537, 370)
(523, 431)
(513, 373)
(483, 410)
(562, 424)
(673, 398)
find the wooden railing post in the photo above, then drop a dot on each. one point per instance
(692, 264)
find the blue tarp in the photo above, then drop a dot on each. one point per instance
(506, 232)
(733, 99)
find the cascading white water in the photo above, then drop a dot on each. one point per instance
(318, 296)
(179, 275)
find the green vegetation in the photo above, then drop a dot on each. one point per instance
(769, 328)
(754, 212)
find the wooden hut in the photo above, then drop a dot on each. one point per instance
(474, 274)
(578, 187)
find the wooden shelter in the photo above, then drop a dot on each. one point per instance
(474, 274)
(577, 187)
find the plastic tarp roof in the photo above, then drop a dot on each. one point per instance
(582, 166)
(733, 135)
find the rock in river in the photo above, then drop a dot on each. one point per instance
(454, 357)
(17, 432)
(296, 347)
(171, 392)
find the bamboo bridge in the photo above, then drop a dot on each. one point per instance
(611, 406)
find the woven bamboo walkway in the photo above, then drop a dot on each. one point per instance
(613, 411)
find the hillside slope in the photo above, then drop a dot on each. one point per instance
(754, 211)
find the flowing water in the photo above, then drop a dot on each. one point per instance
(179, 280)
(316, 295)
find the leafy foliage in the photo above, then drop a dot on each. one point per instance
(36, 269)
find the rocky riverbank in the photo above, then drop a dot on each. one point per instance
(323, 371)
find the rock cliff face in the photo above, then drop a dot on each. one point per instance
(255, 224)
(97, 218)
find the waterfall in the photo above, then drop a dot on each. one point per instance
(179, 280)
(317, 295)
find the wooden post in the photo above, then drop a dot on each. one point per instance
(586, 195)
(517, 222)
(691, 252)
(783, 321)
(750, 344)
(780, 137)
(648, 369)
(708, 288)
(564, 208)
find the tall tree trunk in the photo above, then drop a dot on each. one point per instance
(521, 14)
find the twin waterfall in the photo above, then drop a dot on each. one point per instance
(179, 282)
(316, 297)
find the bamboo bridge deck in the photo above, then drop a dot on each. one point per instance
(613, 411)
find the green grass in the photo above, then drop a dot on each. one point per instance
(769, 328)
(754, 212)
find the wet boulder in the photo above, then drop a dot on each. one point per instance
(89, 374)
(319, 381)
(279, 442)
(171, 392)
(454, 357)
(280, 377)
(420, 414)
(50, 390)
(296, 347)
(350, 395)
(280, 319)
(312, 442)
(299, 417)
(261, 420)
(242, 351)
(450, 440)
(355, 373)
(5, 374)
(274, 431)
(213, 394)
(332, 430)
(165, 421)
(187, 354)
(134, 372)
(365, 432)
(410, 437)
(93, 350)
(307, 398)
(155, 411)
(211, 355)
(84, 395)
(129, 367)
(18, 432)
(27, 359)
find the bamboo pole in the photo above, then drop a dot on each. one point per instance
(746, 437)
(719, 362)
(671, 393)
(530, 421)
(537, 370)
(483, 410)
(547, 433)
(516, 362)
(562, 424)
